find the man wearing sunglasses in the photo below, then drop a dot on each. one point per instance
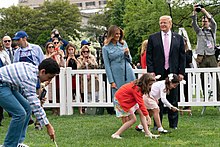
(6, 40)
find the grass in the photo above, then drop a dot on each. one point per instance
(95, 131)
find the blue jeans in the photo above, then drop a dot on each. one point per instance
(18, 106)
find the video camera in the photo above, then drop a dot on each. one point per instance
(199, 7)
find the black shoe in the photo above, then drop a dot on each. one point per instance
(175, 128)
(31, 121)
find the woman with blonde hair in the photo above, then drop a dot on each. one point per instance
(117, 60)
(143, 54)
(87, 61)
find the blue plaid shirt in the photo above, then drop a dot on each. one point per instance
(23, 76)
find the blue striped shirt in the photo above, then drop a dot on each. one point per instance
(23, 76)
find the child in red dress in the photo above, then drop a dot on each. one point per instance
(128, 99)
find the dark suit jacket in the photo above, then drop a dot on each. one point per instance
(155, 55)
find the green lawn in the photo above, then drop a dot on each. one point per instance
(87, 130)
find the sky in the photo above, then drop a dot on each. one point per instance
(7, 3)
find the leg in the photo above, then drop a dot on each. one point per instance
(128, 124)
(1, 115)
(156, 115)
(26, 105)
(161, 108)
(173, 116)
(10, 103)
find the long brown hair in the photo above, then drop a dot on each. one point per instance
(68, 46)
(144, 83)
(172, 78)
(111, 33)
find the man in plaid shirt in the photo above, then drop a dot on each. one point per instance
(18, 97)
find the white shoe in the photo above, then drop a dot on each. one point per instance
(152, 136)
(116, 136)
(22, 145)
(1, 145)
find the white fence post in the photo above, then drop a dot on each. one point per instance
(62, 88)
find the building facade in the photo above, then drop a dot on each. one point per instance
(82, 4)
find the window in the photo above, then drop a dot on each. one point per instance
(79, 4)
(90, 4)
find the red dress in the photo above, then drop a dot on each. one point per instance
(143, 61)
(129, 95)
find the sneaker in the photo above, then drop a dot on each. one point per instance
(151, 136)
(1, 145)
(22, 145)
(139, 128)
(114, 136)
(163, 131)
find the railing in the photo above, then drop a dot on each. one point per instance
(102, 97)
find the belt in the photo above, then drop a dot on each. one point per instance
(206, 55)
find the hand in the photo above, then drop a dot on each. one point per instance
(148, 120)
(43, 100)
(181, 77)
(174, 109)
(153, 74)
(126, 51)
(50, 131)
(113, 85)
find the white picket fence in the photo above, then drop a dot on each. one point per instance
(67, 103)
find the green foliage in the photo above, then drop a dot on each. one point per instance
(139, 19)
(38, 23)
(95, 131)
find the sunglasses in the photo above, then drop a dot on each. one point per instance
(51, 47)
(55, 42)
(85, 51)
(5, 41)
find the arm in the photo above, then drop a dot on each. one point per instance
(194, 21)
(40, 54)
(7, 58)
(139, 98)
(149, 56)
(164, 99)
(107, 64)
(213, 24)
(182, 59)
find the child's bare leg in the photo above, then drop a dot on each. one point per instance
(143, 122)
(126, 125)
(145, 126)
(125, 119)
(156, 115)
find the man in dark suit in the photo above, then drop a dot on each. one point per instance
(165, 55)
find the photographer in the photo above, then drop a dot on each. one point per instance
(56, 34)
(206, 36)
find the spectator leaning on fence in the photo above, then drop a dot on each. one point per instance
(117, 59)
(18, 97)
(205, 48)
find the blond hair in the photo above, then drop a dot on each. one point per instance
(144, 46)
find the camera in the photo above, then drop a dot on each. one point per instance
(199, 7)
(56, 35)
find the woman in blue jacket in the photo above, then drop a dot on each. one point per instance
(117, 59)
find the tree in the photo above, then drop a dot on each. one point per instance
(38, 23)
(18, 18)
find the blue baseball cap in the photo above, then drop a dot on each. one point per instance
(20, 34)
(84, 42)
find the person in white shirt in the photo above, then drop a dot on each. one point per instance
(160, 90)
